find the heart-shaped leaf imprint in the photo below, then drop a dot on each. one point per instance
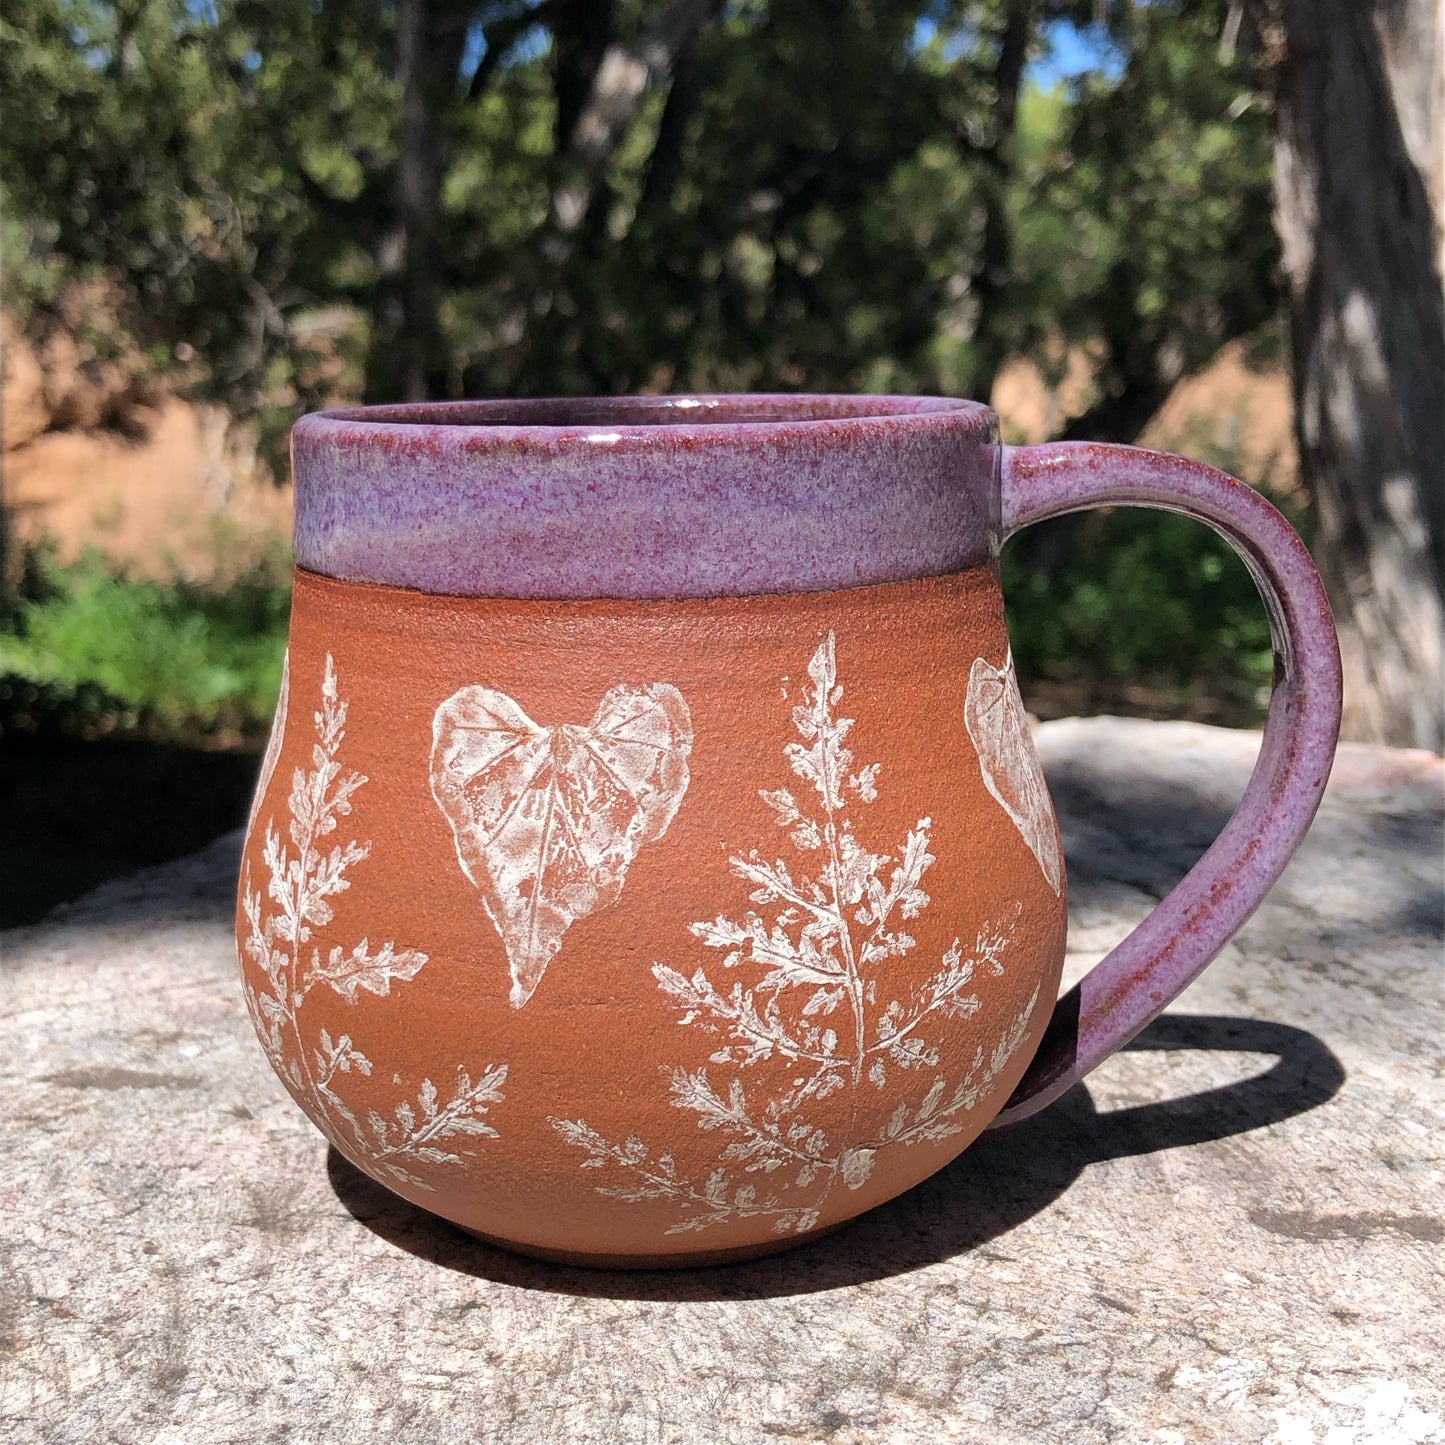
(547, 820)
(996, 721)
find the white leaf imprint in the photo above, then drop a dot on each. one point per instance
(996, 721)
(361, 968)
(547, 820)
(820, 1014)
(301, 885)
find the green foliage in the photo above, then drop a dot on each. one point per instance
(149, 152)
(34, 275)
(1142, 213)
(805, 203)
(178, 658)
(1133, 610)
(1133, 603)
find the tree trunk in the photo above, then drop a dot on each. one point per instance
(430, 36)
(623, 77)
(993, 273)
(1360, 199)
(581, 32)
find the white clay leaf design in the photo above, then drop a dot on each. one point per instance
(363, 969)
(547, 820)
(419, 1132)
(302, 886)
(996, 721)
(819, 1008)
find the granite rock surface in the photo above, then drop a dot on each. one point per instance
(1232, 1234)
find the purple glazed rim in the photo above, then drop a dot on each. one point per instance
(655, 497)
(703, 416)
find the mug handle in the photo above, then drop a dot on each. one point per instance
(1172, 946)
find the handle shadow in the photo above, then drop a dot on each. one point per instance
(988, 1191)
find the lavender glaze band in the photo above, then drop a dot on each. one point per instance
(1174, 944)
(647, 497)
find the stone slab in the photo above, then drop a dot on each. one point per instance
(1233, 1234)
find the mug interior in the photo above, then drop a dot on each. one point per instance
(651, 411)
(647, 497)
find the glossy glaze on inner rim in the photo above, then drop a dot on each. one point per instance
(647, 497)
(626, 412)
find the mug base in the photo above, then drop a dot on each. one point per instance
(693, 1259)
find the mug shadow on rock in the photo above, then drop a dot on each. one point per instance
(993, 1187)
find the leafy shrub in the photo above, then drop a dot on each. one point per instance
(1137, 611)
(93, 649)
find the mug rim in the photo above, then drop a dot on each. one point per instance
(614, 497)
(725, 417)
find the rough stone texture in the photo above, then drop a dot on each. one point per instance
(1233, 1233)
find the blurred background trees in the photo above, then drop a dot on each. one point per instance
(262, 206)
(294, 199)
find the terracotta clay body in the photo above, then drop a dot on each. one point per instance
(662, 928)
(650, 864)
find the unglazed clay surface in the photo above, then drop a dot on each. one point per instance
(651, 930)
(294, 909)
(815, 954)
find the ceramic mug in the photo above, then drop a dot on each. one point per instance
(650, 862)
